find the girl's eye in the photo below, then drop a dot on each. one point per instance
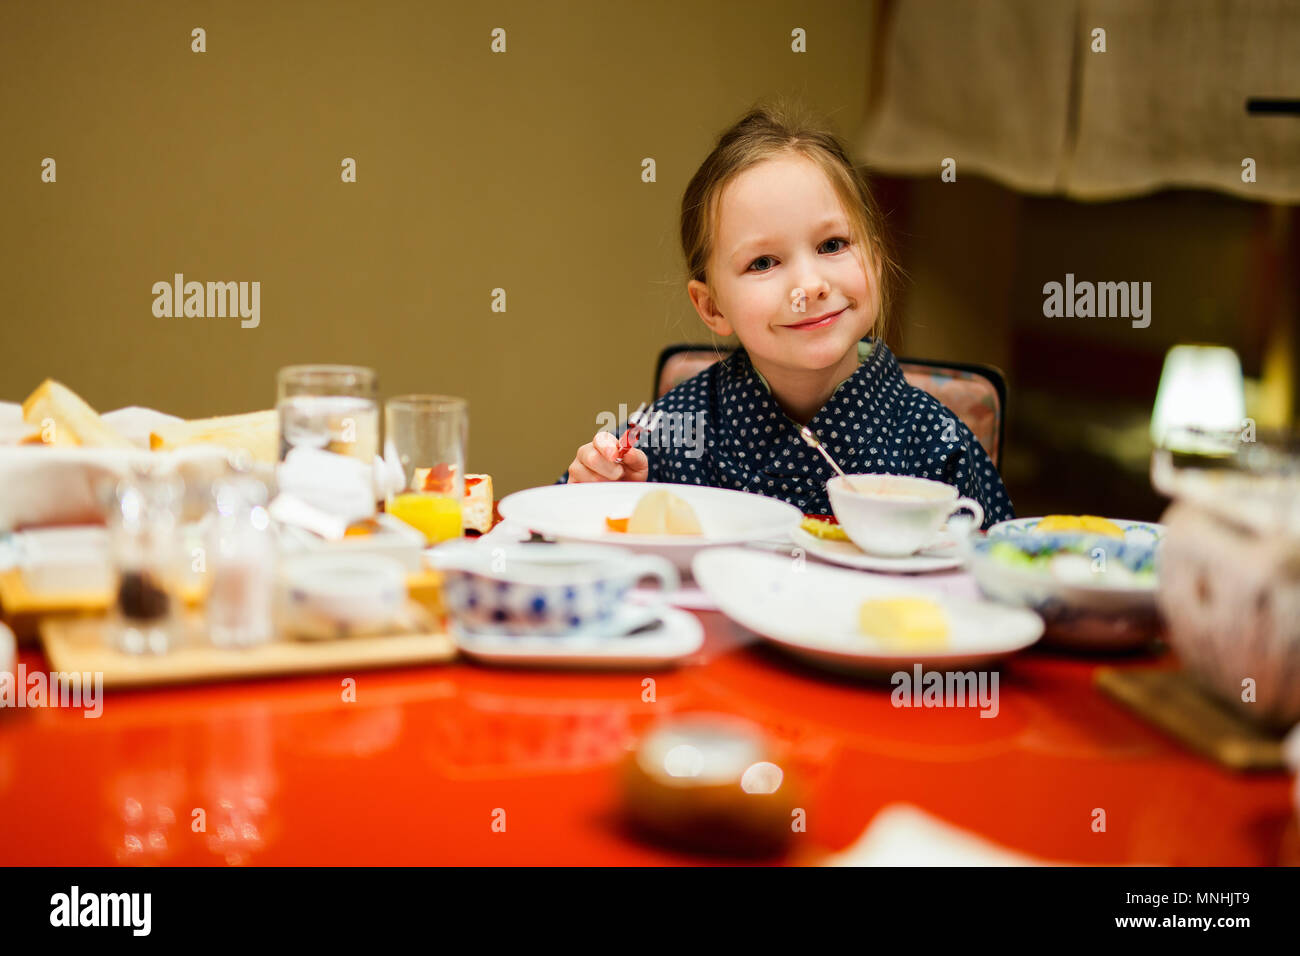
(843, 243)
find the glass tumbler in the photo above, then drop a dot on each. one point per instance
(429, 436)
(329, 407)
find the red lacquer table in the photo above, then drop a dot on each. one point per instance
(417, 768)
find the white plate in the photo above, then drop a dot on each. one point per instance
(940, 556)
(813, 613)
(577, 512)
(679, 636)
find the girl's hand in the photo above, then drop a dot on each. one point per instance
(595, 462)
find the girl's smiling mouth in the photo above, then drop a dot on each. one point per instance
(817, 323)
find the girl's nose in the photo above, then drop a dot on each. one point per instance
(813, 287)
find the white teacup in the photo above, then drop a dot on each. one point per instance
(895, 515)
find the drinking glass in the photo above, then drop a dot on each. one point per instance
(145, 543)
(329, 407)
(429, 435)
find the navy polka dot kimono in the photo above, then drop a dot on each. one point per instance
(875, 422)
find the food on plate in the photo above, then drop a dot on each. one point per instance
(1089, 524)
(476, 508)
(904, 622)
(823, 526)
(362, 528)
(64, 418)
(258, 433)
(1074, 563)
(658, 512)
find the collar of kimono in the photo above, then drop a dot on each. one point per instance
(863, 399)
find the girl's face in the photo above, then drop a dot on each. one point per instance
(782, 258)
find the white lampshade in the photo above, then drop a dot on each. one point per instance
(1200, 387)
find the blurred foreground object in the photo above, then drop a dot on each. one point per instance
(711, 782)
(1230, 572)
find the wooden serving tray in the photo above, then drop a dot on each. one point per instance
(1172, 701)
(77, 644)
(22, 608)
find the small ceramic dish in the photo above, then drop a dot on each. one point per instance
(336, 595)
(1135, 532)
(541, 589)
(1094, 592)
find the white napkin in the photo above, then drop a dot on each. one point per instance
(905, 835)
(62, 485)
(323, 491)
(135, 423)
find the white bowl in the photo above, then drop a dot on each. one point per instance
(329, 595)
(577, 512)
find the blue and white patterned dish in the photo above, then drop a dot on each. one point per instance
(664, 637)
(1135, 532)
(1084, 606)
(556, 590)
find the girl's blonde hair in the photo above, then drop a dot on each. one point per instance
(772, 130)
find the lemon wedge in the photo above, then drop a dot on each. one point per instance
(819, 528)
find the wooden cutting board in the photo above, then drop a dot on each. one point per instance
(77, 644)
(1176, 704)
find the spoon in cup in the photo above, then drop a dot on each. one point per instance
(806, 433)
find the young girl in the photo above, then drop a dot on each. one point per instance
(784, 248)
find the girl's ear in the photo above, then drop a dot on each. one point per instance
(707, 307)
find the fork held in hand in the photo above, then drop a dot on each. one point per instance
(643, 419)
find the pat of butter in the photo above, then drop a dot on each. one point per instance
(904, 621)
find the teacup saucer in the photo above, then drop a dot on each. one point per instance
(943, 555)
(666, 636)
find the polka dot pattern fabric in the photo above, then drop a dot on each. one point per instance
(874, 423)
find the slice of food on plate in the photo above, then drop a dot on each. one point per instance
(64, 418)
(905, 623)
(476, 507)
(658, 512)
(257, 433)
(826, 527)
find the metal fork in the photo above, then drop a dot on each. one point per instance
(644, 419)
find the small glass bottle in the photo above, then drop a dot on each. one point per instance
(241, 561)
(144, 538)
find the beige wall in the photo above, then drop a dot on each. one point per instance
(475, 171)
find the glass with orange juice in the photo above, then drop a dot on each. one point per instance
(429, 435)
